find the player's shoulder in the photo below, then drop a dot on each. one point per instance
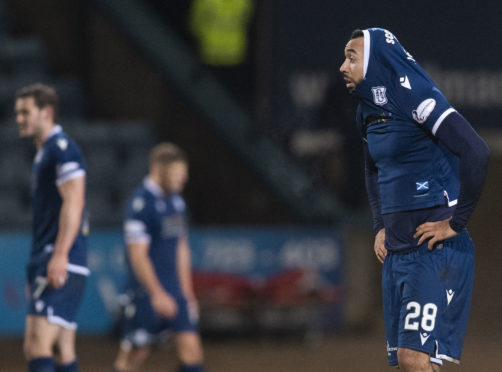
(139, 198)
(61, 142)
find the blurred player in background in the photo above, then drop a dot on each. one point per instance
(425, 169)
(57, 267)
(159, 283)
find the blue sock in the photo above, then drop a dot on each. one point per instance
(41, 365)
(71, 367)
(191, 368)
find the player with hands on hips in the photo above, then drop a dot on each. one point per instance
(424, 171)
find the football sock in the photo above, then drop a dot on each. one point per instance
(71, 367)
(191, 368)
(41, 365)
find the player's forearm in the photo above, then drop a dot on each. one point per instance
(374, 199)
(145, 272)
(471, 186)
(185, 268)
(371, 182)
(461, 139)
(70, 219)
(187, 284)
(186, 280)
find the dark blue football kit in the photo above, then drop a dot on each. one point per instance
(423, 163)
(56, 162)
(158, 220)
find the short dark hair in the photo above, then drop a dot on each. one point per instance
(356, 33)
(43, 95)
(166, 153)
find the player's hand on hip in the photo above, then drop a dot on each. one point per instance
(164, 304)
(435, 232)
(57, 271)
(379, 247)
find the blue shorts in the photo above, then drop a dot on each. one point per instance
(143, 326)
(60, 306)
(427, 299)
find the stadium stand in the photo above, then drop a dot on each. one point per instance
(24, 61)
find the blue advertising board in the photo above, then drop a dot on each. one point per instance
(234, 269)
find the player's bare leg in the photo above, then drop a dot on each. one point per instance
(40, 337)
(189, 347)
(131, 359)
(415, 361)
(65, 347)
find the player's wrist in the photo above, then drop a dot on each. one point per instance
(159, 293)
(377, 227)
(456, 227)
(60, 256)
(190, 296)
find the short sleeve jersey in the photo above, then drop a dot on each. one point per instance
(56, 162)
(399, 112)
(160, 221)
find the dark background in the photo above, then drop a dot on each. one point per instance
(290, 87)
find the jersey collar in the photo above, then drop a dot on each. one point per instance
(153, 187)
(57, 129)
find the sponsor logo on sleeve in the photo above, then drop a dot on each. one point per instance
(379, 96)
(424, 109)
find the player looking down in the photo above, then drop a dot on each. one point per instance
(159, 282)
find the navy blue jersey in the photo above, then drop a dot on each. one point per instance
(399, 112)
(56, 162)
(159, 220)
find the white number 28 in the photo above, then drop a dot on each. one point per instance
(429, 313)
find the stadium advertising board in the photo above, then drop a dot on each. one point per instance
(245, 279)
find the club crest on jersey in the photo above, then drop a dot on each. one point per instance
(379, 96)
(138, 204)
(424, 109)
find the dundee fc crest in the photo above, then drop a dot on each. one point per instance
(379, 96)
